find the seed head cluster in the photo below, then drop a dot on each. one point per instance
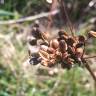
(64, 49)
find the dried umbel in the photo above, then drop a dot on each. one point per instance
(64, 49)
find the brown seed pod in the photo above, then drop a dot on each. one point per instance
(71, 50)
(44, 47)
(79, 52)
(61, 32)
(44, 63)
(78, 45)
(48, 63)
(54, 43)
(62, 35)
(66, 64)
(69, 61)
(50, 50)
(44, 55)
(33, 42)
(70, 41)
(36, 33)
(92, 34)
(51, 63)
(81, 38)
(65, 55)
(45, 35)
(62, 46)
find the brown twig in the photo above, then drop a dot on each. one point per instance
(89, 69)
(64, 12)
(30, 18)
(52, 8)
(90, 57)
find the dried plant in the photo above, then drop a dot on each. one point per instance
(65, 50)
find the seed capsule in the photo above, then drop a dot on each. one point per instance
(44, 55)
(51, 63)
(71, 50)
(50, 50)
(33, 42)
(45, 36)
(92, 34)
(81, 38)
(44, 63)
(70, 41)
(48, 63)
(54, 43)
(79, 52)
(63, 35)
(60, 33)
(43, 47)
(62, 46)
(79, 45)
(65, 55)
(36, 33)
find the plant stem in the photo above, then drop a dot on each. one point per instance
(90, 71)
(64, 12)
(89, 57)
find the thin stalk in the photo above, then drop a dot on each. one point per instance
(84, 49)
(90, 57)
(63, 9)
(52, 8)
(89, 69)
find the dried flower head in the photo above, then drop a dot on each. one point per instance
(66, 50)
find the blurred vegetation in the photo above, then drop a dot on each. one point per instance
(19, 79)
(31, 7)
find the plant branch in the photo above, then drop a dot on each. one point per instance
(89, 69)
(30, 18)
(64, 12)
(90, 57)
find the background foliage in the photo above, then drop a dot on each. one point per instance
(17, 77)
